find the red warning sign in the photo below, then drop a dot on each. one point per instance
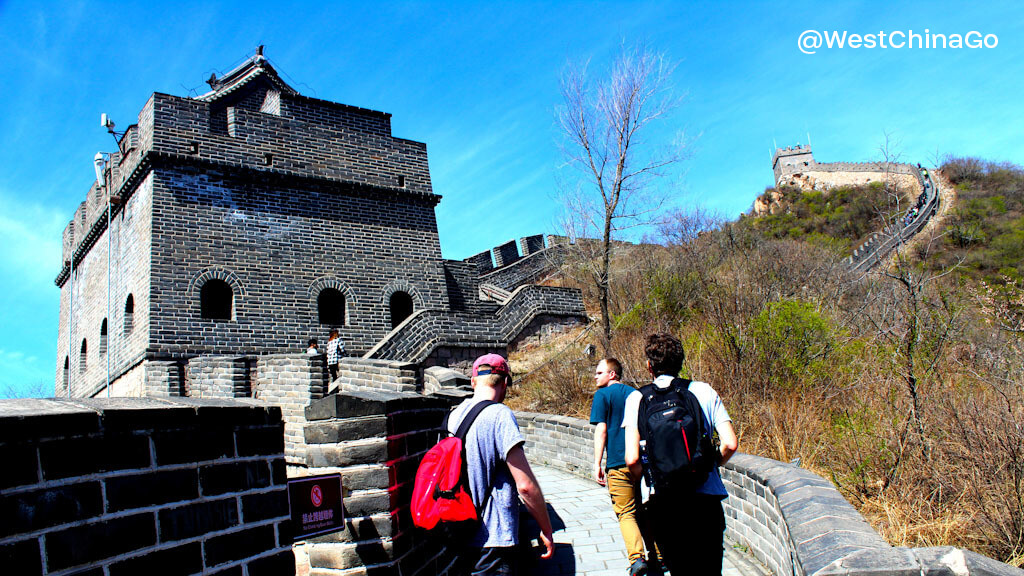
(315, 504)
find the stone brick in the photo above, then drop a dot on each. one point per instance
(348, 429)
(238, 545)
(151, 488)
(343, 556)
(234, 477)
(80, 456)
(21, 465)
(198, 518)
(264, 506)
(279, 564)
(184, 559)
(260, 441)
(347, 454)
(99, 540)
(210, 442)
(367, 503)
(29, 511)
(22, 557)
(232, 571)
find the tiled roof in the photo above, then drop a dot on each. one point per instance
(251, 69)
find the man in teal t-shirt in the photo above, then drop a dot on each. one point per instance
(609, 435)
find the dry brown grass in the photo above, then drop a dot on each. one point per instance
(953, 474)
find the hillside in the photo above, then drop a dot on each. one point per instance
(985, 227)
(904, 387)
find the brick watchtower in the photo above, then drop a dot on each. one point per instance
(248, 219)
(791, 160)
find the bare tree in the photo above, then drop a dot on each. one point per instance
(604, 121)
(37, 389)
(913, 312)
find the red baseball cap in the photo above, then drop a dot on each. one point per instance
(496, 362)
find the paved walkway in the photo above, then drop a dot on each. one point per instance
(587, 537)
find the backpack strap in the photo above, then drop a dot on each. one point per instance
(468, 420)
(682, 385)
(461, 433)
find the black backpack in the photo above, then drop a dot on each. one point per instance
(679, 452)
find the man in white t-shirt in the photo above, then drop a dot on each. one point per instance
(499, 474)
(688, 525)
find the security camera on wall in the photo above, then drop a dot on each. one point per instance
(106, 122)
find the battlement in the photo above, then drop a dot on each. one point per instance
(260, 125)
(509, 252)
(795, 165)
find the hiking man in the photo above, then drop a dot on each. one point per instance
(688, 522)
(499, 474)
(609, 436)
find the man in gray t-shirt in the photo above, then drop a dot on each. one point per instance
(495, 458)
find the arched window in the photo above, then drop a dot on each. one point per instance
(330, 305)
(83, 355)
(67, 371)
(103, 337)
(129, 314)
(401, 307)
(215, 300)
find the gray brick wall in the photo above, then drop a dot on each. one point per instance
(278, 257)
(792, 520)
(299, 195)
(376, 441)
(143, 486)
(291, 382)
(430, 330)
(382, 375)
(505, 254)
(482, 260)
(530, 269)
(83, 298)
(530, 244)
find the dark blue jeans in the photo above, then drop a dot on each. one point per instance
(499, 561)
(688, 529)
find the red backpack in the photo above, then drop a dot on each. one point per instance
(441, 492)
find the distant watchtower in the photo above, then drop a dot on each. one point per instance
(791, 160)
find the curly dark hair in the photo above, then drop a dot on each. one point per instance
(665, 353)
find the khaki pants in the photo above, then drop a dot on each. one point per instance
(625, 493)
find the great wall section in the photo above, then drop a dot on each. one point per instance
(795, 166)
(206, 231)
(190, 486)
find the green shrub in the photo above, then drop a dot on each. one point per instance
(792, 340)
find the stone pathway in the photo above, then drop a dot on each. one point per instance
(587, 537)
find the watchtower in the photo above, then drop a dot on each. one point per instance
(791, 160)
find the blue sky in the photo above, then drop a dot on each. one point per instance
(479, 83)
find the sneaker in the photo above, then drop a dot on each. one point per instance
(638, 567)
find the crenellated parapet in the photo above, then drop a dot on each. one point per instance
(796, 166)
